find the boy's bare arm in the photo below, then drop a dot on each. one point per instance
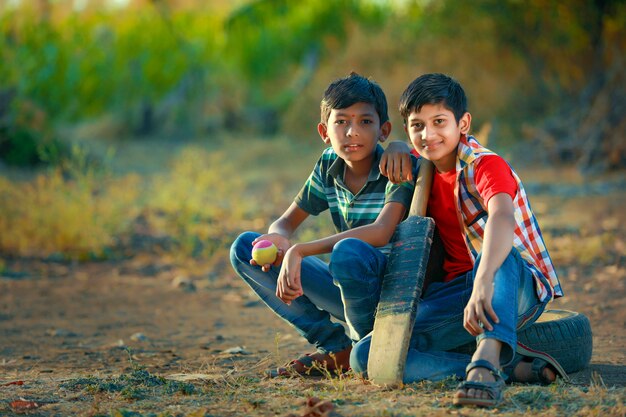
(497, 244)
(376, 234)
(281, 230)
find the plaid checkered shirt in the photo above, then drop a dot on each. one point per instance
(473, 215)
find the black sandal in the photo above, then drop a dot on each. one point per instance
(493, 389)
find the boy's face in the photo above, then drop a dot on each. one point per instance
(354, 131)
(435, 134)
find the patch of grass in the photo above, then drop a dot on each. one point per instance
(142, 377)
(177, 387)
(194, 207)
(533, 399)
(127, 413)
(136, 385)
(242, 393)
(92, 385)
(131, 393)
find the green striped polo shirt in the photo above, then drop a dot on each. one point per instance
(325, 189)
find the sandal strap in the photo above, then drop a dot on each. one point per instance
(305, 360)
(482, 363)
(522, 349)
(538, 366)
(494, 389)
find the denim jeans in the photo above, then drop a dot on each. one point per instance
(439, 322)
(347, 288)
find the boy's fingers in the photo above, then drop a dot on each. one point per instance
(382, 166)
(482, 319)
(279, 292)
(492, 314)
(280, 286)
(289, 291)
(397, 171)
(399, 168)
(474, 328)
(387, 165)
(467, 322)
(279, 257)
(264, 268)
(288, 298)
(296, 282)
(409, 166)
(469, 326)
(285, 296)
(473, 321)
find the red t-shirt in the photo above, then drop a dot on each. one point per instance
(493, 176)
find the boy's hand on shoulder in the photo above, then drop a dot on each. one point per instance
(395, 163)
(281, 243)
(289, 285)
(479, 307)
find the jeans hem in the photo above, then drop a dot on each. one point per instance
(509, 342)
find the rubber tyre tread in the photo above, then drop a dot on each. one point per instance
(564, 335)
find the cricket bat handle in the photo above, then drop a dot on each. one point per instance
(423, 184)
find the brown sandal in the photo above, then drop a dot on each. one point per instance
(307, 365)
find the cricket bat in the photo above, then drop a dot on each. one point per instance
(402, 286)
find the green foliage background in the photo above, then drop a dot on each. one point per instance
(201, 65)
(76, 81)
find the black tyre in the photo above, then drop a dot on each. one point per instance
(565, 335)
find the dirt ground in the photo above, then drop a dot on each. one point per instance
(60, 322)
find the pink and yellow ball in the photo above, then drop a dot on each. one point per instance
(264, 252)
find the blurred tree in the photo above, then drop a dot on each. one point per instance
(574, 54)
(275, 47)
(194, 66)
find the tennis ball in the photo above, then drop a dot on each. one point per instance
(264, 252)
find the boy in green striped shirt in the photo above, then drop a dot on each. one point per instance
(365, 208)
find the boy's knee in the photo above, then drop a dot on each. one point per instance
(349, 248)
(359, 355)
(241, 249)
(347, 254)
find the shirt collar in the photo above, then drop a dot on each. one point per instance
(465, 152)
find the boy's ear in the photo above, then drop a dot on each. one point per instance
(385, 131)
(465, 123)
(322, 129)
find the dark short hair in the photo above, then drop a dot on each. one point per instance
(352, 89)
(434, 89)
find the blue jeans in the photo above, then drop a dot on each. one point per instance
(348, 289)
(439, 322)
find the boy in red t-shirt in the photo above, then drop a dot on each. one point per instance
(498, 274)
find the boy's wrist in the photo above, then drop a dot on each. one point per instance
(484, 276)
(297, 248)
